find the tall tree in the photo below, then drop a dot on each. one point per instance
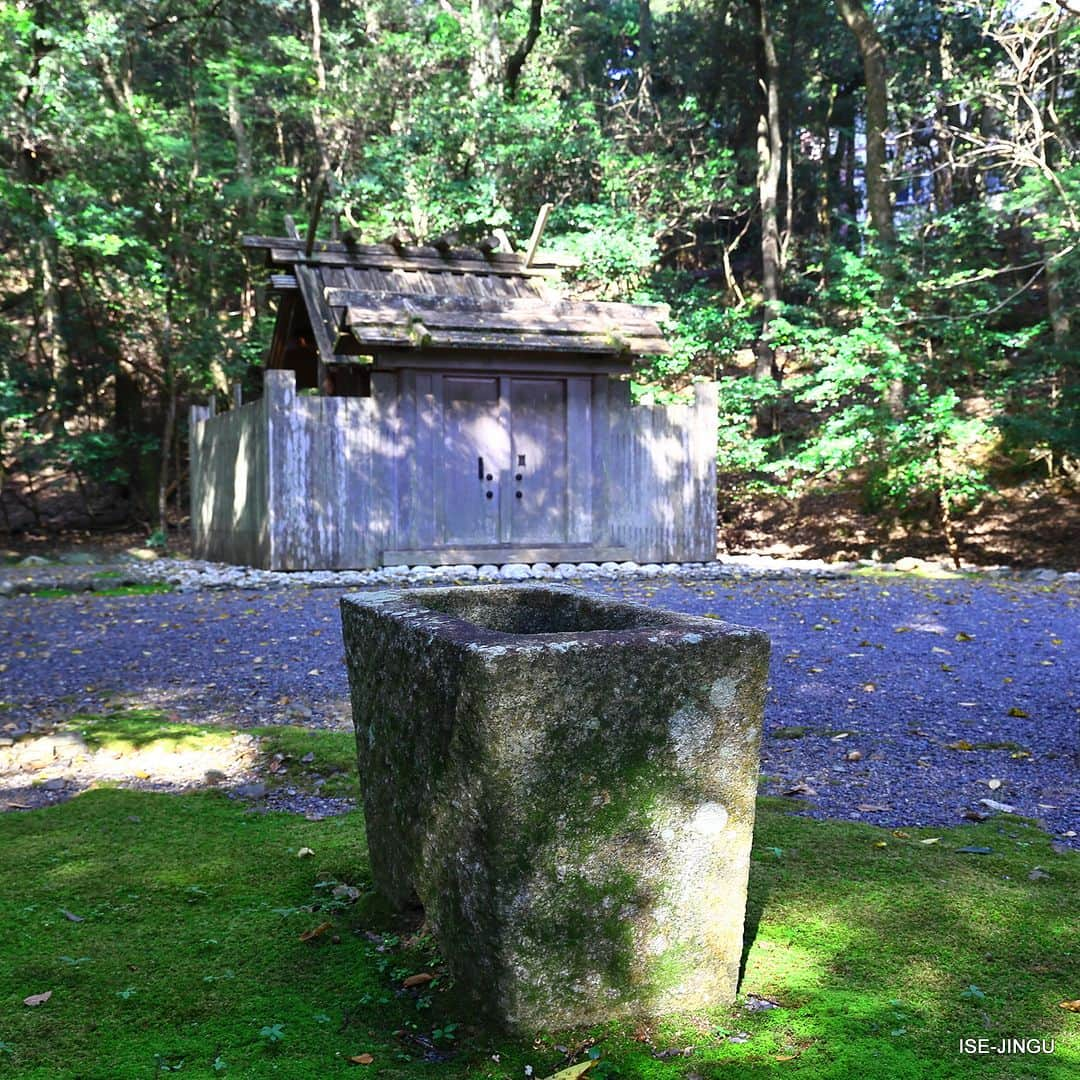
(872, 53)
(770, 160)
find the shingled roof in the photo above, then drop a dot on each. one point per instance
(362, 298)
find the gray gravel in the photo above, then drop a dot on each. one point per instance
(877, 684)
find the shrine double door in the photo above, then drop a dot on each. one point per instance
(509, 459)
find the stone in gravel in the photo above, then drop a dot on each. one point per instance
(587, 568)
(908, 563)
(515, 572)
(56, 784)
(214, 776)
(251, 791)
(34, 560)
(542, 570)
(299, 712)
(143, 554)
(488, 570)
(650, 569)
(609, 567)
(1000, 807)
(499, 831)
(1044, 575)
(79, 558)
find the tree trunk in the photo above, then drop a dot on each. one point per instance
(770, 159)
(166, 450)
(521, 53)
(824, 209)
(872, 53)
(645, 54)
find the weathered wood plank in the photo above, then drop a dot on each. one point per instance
(322, 323)
(390, 260)
(504, 553)
(538, 321)
(520, 360)
(629, 315)
(579, 460)
(361, 251)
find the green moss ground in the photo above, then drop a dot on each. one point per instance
(333, 759)
(192, 909)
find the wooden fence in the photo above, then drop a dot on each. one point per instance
(293, 482)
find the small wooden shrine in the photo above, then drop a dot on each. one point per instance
(425, 405)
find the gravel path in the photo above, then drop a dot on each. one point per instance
(894, 701)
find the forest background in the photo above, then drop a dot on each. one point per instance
(865, 219)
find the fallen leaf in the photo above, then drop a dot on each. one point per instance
(870, 808)
(71, 916)
(853, 755)
(786, 1057)
(930, 840)
(901, 835)
(317, 931)
(993, 785)
(1072, 1006)
(1000, 807)
(1014, 711)
(960, 744)
(963, 637)
(304, 852)
(800, 789)
(37, 999)
(880, 843)
(974, 850)
(580, 1069)
(974, 815)
(757, 1003)
(361, 1059)
(422, 979)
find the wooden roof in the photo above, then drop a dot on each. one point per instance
(366, 297)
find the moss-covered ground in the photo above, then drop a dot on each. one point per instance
(169, 931)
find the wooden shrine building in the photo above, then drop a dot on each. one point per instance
(430, 405)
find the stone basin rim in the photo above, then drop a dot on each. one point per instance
(406, 606)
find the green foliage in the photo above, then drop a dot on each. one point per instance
(140, 145)
(857, 933)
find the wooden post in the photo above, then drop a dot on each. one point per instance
(537, 233)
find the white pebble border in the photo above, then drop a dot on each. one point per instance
(193, 574)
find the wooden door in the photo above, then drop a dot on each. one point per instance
(476, 449)
(536, 500)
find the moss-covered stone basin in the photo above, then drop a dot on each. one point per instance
(566, 784)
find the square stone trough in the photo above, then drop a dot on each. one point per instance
(566, 784)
